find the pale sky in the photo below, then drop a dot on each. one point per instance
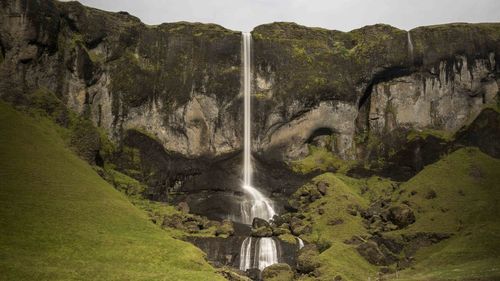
(342, 15)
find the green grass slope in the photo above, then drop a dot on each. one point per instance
(458, 195)
(467, 205)
(60, 221)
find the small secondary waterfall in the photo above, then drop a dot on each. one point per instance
(410, 44)
(301, 243)
(257, 205)
(258, 253)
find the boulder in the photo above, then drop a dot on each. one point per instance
(401, 215)
(278, 272)
(262, 232)
(322, 187)
(258, 222)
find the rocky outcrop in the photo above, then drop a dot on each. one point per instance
(374, 87)
(179, 82)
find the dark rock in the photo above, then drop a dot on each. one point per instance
(401, 215)
(262, 232)
(376, 255)
(389, 243)
(337, 278)
(322, 187)
(483, 132)
(278, 272)
(431, 194)
(258, 222)
(422, 239)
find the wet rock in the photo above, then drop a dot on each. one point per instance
(278, 272)
(307, 259)
(401, 215)
(258, 222)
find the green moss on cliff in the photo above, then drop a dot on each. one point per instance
(320, 159)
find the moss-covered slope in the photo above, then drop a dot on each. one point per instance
(454, 235)
(60, 221)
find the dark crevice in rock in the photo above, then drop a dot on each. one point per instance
(323, 131)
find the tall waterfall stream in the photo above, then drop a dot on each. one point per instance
(255, 252)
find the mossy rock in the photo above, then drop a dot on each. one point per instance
(307, 259)
(278, 272)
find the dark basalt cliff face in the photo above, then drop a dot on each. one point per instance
(169, 98)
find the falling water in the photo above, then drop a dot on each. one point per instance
(245, 254)
(410, 45)
(256, 204)
(264, 253)
(301, 243)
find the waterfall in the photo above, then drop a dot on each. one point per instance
(410, 44)
(301, 243)
(266, 253)
(263, 255)
(256, 204)
(245, 254)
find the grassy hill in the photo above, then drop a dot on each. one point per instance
(60, 221)
(458, 196)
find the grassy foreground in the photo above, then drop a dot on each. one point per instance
(60, 221)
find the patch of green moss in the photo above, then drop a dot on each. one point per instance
(412, 135)
(289, 238)
(320, 159)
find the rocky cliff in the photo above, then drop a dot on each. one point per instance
(172, 92)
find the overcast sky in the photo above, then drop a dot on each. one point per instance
(342, 15)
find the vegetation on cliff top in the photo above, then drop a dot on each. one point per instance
(60, 220)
